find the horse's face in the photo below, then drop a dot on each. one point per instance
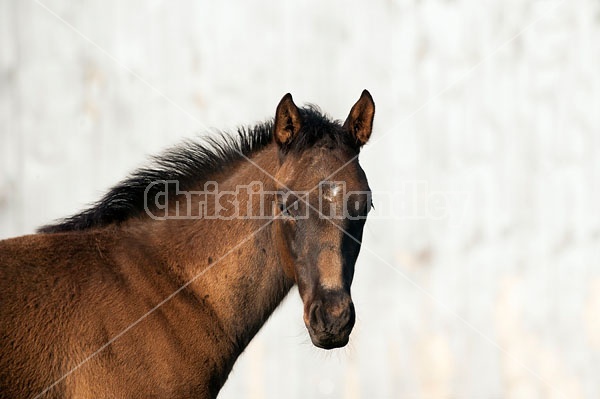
(321, 208)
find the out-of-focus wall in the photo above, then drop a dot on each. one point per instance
(484, 282)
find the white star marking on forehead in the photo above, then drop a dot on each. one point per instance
(330, 190)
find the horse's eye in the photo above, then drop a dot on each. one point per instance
(283, 209)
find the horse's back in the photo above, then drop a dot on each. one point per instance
(40, 282)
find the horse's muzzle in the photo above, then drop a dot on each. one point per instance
(330, 321)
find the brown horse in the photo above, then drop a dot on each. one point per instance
(155, 290)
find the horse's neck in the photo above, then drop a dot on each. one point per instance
(234, 263)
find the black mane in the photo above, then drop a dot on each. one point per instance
(194, 162)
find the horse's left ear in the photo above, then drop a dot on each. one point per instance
(360, 121)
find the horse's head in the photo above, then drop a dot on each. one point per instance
(322, 203)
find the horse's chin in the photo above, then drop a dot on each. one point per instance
(329, 342)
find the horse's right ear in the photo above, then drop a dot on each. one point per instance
(287, 121)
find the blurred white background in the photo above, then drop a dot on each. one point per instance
(491, 107)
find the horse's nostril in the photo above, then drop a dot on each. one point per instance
(345, 314)
(316, 317)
